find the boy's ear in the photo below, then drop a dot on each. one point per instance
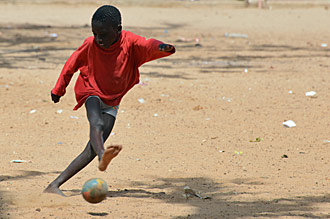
(119, 28)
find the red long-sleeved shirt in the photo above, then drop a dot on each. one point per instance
(108, 73)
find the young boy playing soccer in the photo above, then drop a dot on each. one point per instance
(108, 63)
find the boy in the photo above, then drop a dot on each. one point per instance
(108, 65)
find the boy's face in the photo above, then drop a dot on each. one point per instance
(105, 34)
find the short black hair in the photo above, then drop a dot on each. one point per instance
(107, 13)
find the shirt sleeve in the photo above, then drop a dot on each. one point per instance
(147, 50)
(72, 65)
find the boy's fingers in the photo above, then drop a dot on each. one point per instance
(161, 47)
(55, 98)
(165, 47)
(168, 48)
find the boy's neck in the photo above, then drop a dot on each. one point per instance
(117, 38)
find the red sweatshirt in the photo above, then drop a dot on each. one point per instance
(108, 73)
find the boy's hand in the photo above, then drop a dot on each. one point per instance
(55, 98)
(165, 47)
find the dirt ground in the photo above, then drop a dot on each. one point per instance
(212, 117)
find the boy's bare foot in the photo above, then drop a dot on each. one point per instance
(53, 189)
(109, 153)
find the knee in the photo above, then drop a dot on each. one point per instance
(97, 124)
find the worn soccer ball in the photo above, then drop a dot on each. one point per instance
(95, 190)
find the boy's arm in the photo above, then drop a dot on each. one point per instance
(72, 65)
(64, 79)
(150, 49)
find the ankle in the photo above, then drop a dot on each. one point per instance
(54, 185)
(100, 155)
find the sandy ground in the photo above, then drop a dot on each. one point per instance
(204, 109)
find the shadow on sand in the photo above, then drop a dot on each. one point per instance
(222, 201)
(220, 204)
(25, 174)
(3, 209)
(29, 43)
(5, 198)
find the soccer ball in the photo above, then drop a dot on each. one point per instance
(95, 190)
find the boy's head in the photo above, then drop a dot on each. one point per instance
(106, 25)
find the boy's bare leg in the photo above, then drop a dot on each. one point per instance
(81, 161)
(75, 166)
(97, 123)
(109, 153)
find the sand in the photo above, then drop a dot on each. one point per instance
(212, 117)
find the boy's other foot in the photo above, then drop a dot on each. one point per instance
(54, 189)
(109, 153)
